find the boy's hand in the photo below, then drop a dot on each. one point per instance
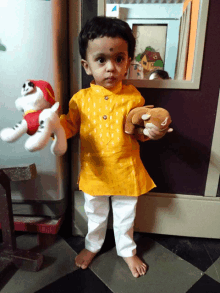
(153, 131)
(155, 134)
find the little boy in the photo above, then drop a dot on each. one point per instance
(111, 167)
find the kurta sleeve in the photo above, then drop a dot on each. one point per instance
(71, 121)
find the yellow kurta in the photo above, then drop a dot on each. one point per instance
(110, 160)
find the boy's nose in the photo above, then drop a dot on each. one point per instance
(110, 66)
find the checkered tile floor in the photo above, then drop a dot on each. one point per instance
(176, 265)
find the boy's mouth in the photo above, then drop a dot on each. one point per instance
(111, 78)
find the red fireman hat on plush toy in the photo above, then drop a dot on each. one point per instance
(47, 90)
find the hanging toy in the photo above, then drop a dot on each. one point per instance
(40, 119)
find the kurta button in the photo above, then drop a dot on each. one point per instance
(106, 97)
(104, 117)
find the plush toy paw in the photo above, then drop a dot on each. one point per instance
(12, 134)
(8, 135)
(59, 144)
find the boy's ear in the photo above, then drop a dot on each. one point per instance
(86, 66)
(129, 63)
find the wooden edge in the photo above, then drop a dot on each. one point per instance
(20, 173)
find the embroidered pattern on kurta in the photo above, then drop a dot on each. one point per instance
(110, 159)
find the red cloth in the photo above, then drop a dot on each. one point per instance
(32, 120)
(46, 89)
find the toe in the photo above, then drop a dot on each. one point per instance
(78, 262)
(84, 265)
(135, 273)
(144, 268)
(140, 271)
(143, 271)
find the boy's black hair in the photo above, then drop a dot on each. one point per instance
(102, 26)
(161, 73)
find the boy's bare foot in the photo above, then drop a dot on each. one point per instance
(137, 267)
(84, 258)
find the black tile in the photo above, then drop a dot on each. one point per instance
(144, 244)
(205, 285)
(200, 252)
(76, 242)
(80, 281)
(7, 271)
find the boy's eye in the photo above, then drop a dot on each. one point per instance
(119, 59)
(101, 60)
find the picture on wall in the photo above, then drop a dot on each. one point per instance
(150, 50)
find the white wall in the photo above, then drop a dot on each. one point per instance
(26, 32)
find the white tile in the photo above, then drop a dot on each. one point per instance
(214, 270)
(167, 272)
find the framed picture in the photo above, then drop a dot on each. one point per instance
(156, 46)
(150, 50)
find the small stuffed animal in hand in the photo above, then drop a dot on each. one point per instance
(147, 117)
(40, 119)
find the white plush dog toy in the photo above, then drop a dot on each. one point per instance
(40, 119)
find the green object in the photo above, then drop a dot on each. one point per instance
(138, 57)
(158, 63)
(149, 48)
(2, 47)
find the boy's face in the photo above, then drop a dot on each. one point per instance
(107, 61)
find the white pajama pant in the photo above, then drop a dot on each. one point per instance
(124, 211)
